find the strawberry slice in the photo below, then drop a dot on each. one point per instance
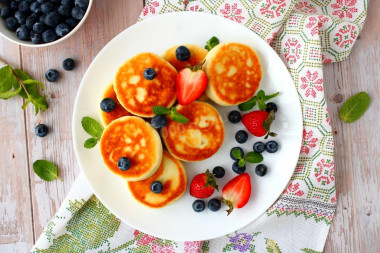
(237, 192)
(203, 185)
(190, 82)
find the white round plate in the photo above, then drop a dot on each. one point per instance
(178, 221)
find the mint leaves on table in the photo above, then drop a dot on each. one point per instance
(258, 99)
(174, 115)
(251, 157)
(46, 170)
(211, 43)
(93, 128)
(354, 107)
(17, 82)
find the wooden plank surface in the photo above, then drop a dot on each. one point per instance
(27, 203)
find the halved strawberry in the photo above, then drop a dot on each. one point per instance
(258, 123)
(190, 82)
(237, 192)
(203, 185)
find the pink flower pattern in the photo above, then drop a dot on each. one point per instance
(273, 8)
(156, 248)
(308, 141)
(315, 23)
(293, 189)
(150, 7)
(306, 7)
(292, 50)
(232, 12)
(191, 247)
(346, 36)
(145, 239)
(324, 172)
(312, 84)
(194, 8)
(344, 8)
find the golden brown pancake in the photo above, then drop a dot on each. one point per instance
(137, 94)
(171, 174)
(119, 111)
(234, 73)
(131, 137)
(197, 55)
(198, 139)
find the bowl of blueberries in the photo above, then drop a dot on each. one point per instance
(39, 23)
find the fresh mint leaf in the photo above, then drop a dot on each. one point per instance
(266, 98)
(237, 154)
(90, 143)
(248, 105)
(92, 127)
(253, 157)
(260, 95)
(176, 116)
(11, 93)
(45, 170)
(22, 74)
(241, 163)
(160, 110)
(40, 103)
(33, 82)
(6, 75)
(262, 105)
(211, 43)
(354, 107)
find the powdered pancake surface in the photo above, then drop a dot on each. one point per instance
(198, 139)
(197, 55)
(137, 94)
(119, 111)
(131, 137)
(234, 73)
(171, 174)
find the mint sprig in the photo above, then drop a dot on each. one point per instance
(354, 107)
(17, 82)
(211, 43)
(174, 115)
(46, 170)
(251, 157)
(93, 128)
(258, 99)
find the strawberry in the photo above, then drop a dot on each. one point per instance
(203, 185)
(190, 82)
(237, 192)
(258, 123)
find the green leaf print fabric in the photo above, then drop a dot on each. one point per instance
(305, 34)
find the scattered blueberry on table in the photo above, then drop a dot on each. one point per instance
(199, 205)
(68, 64)
(52, 75)
(41, 130)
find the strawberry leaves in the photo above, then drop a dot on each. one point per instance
(258, 99)
(251, 157)
(267, 123)
(211, 180)
(174, 115)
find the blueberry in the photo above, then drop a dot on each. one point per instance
(77, 13)
(5, 12)
(156, 187)
(47, 7)
(38, 27)
(271, 146)
(218, 172)
(124, 163)
(259, 147)
(22, 33)
(62, 29)
(31, 20)
(108, 105)
(159, 121)
(234, 117)
(41, 1)
(41, 130)
(182, 53)
(149, 73)
(49, 35)
(261, 170)
(11, 23)
(67, 2)
(241, 151)
(237, 169)
(42, 19)
(271, 106)
(56, 2)
(52, 19)
(71, 22)
(83, 4)
(241, 136)
(23, 6)
(36, 38)
(214, 205)
(29, 1)
(35, 7)
(14, 6)
(4, 1)
(21, 17)
(64, 10)
(68, 64)
(52, 74)
(199, 205)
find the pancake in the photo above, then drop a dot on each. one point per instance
(234, 73)
(137, 94)
(198, 139)
(197, 55)
(119, 111)
(131, 137)
(171, 174)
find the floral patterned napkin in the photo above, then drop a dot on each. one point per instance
(305, 34)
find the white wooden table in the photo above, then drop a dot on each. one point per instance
(27, 203)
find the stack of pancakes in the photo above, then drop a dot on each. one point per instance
(234, 74)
